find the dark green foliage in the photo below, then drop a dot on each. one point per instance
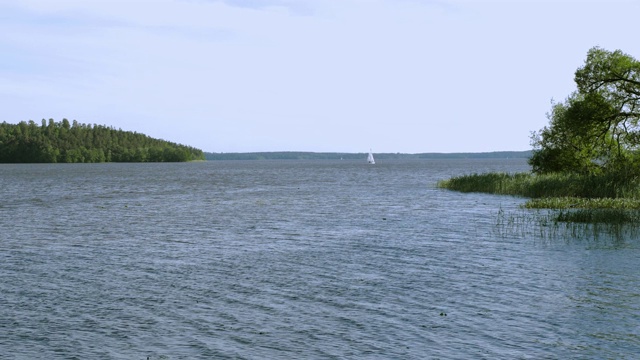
(62, 142)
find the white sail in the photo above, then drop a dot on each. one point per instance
(370, 159)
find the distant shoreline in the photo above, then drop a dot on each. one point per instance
(301, 155)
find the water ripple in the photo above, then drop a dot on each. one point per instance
(249, 260)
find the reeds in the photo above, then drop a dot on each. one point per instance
(594, 199)
(593, 216)
(548, 185)
(582, 203)
(493, 183)
(600, 227)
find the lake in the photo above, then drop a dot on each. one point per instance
(298, 259)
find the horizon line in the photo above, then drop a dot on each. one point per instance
(364, 152)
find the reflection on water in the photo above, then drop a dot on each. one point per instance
(299, 259)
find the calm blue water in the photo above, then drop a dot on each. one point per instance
(297, 259)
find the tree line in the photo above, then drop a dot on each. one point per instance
(65, 142)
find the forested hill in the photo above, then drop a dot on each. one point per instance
(53, 142)
(295, 155)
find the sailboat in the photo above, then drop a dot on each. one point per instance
(370, 159)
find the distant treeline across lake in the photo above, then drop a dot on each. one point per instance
(295, 155)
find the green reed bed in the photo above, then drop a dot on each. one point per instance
(610, 199)
(583, 203)
(493, 183)
(549, 185)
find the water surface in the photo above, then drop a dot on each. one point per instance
(297, 259)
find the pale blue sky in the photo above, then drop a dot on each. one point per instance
(405, 76)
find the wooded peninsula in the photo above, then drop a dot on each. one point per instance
(64, 142)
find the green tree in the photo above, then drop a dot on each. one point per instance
(596, 129)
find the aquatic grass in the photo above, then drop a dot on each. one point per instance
(593, 216)
(547, 185)
(607, 198)
(594, 227)
(517, 184)
(493, 183)
(582, 203)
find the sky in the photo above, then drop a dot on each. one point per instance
(407, 76)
